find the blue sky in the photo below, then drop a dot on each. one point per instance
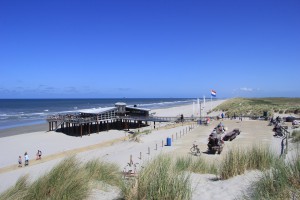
(100, 49)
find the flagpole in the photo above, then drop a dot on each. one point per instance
(193, 108)
(210, 102)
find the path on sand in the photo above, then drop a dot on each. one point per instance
(64, 154)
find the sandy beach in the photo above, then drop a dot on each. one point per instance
(114, 146)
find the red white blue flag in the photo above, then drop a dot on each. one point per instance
(213, 93)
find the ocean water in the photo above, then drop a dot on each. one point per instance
(22, 112)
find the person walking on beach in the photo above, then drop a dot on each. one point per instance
(20, 161)
(39, 155)
(26, 159)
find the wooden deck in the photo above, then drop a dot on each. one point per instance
(86, 124)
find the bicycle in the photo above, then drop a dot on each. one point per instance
(195, 150)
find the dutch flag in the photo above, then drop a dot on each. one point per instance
(213, 93)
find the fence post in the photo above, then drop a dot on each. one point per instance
(140, 155)
(130, 161)
(162, 143)
(286, 144)
(149, 150)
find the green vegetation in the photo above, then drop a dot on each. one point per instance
(17, 192)
(281, 182)
(237, 161)
(195, 165)
(159, 180)
(296, 136)
(257, 106)
(68, 180)
(163, 177)
(105, 172)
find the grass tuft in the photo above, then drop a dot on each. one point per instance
(68, 180)
(159, 180)
(195, 165)
(296, 136)
(237, 161)
(105, 172)
(18, 191)
(281, 182)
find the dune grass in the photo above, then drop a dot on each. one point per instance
(17, 192)
(281, 182)
(159, 179)
(70, 179)
(195, 165)
(237, 161)
(257, 106)
(296, 136)
(164, 177)
(67, 180)
(103, 171)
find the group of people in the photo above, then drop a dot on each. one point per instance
(26, 158)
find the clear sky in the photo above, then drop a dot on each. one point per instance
(124, 48)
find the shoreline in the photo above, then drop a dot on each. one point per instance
(23, 130)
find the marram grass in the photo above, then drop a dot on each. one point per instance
(281, 182)
(67, 180)
(102, 171)
(70, 179)
(159, 179)
(296, 136)
(164, 177)
(238, 160)
(195, 165)
(17, 192)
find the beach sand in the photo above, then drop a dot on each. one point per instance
(114, 146)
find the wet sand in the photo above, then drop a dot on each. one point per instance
(23, 130)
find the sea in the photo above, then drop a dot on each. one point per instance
(24, 112)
